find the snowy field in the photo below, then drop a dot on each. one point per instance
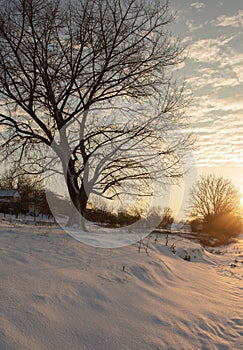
(59, 294)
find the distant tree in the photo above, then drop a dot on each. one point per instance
(30, 187)
(162, 217)
(27, 185)
(8, 180)
(61, 60)
(167, 218)
(196, 224)
(216, 202)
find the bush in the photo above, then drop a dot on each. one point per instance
(110, 219)
(224, 228)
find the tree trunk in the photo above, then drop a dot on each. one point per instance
(79, 199)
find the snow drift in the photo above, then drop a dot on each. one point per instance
(59, 294)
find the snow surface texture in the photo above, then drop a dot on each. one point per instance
(59, 294)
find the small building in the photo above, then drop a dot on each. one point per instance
(10, 202)
(9, 196)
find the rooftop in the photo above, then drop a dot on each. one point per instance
(7, 193)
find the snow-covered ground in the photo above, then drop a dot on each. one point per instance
(59, 294)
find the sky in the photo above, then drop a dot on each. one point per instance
(213, 72)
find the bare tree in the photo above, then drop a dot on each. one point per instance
(216, 201)
(167, 218)
(75, 76)
(27, 185)
(31, 188)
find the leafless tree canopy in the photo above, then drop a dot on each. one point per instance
(214, 197)
(27, 185)
(62, 60)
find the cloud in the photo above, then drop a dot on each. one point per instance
(218, 125)
(212, 109)
(235, 60)
(219, 62)
(219, 146)
(214, 73)
(215, 114)
(229, 21)
(198, 5)
(209, 50)
(192, 26)
(212, 80)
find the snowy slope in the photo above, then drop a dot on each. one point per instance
(59, 294)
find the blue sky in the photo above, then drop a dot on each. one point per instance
(213, 71)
